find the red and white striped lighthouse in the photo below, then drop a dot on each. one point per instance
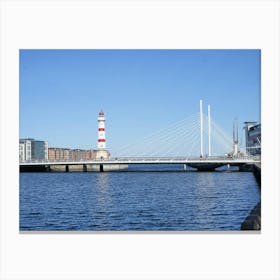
(101, 145)
(101, 153)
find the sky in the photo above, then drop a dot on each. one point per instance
(141, 91)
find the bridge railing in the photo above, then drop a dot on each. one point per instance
(148, 159)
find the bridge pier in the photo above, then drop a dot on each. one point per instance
(246, 168)
(205, 166)
(101, 168)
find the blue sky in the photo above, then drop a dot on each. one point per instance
(140, 91)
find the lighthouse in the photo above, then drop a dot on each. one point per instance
(101, 131)
(101, 153)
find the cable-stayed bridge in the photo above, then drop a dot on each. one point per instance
(198, 163)
(179, 139)
(197, 141)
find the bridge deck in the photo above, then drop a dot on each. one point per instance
(223, 161)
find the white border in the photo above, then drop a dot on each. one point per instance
(139, 24)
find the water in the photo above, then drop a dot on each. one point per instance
(136, 201)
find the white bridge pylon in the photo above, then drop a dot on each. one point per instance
(182, 138)
(208, 131)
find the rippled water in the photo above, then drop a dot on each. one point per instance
(136, 200)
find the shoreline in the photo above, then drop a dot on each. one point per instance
(253, 220)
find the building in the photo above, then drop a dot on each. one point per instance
(253, 138)
(31, 149)
(39, 150)
(59, 154)
(25, 149)
(22, 152)
(64, 154)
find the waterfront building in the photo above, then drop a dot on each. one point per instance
(58, 154)
(253, 138)
(39, 150)
(91, 154)
(51, 154)
(25, 149)
(78, 154)
(65, 154)
(31, 149)
(21, 152)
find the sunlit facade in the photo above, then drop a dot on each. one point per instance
(253, 138)
(31, 149)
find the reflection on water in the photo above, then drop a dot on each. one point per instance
(207, 197)
(136, 200)
(102, 192)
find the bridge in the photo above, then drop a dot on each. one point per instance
(167, 146)
(201, 164)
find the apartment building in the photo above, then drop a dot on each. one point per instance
(253, 138)
(31, 149)
(64, 154)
